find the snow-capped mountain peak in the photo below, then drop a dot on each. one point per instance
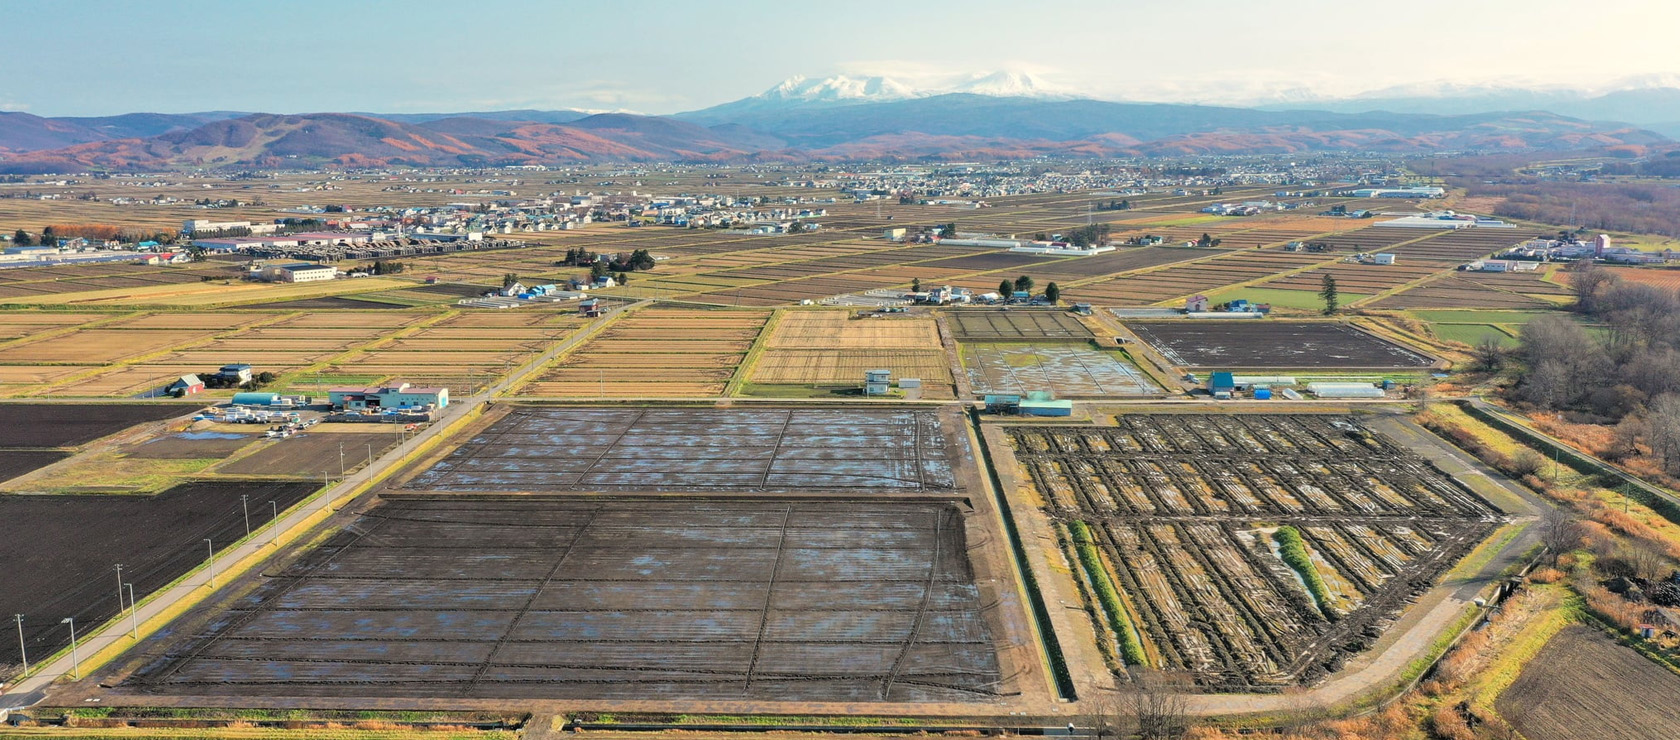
(836, 89)
(1010, 84)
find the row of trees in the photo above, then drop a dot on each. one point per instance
(50, 235)
(1024, 284)
(638, 260)
(1625, 371)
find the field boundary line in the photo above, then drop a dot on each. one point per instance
(761, 344)
(565, 348)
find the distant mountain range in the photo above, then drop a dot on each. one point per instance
(996, 116)
(1655, 108)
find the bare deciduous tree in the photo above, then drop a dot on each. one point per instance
(1489, 354)
(1560, 531)
(1663, 430)
(1158, 706)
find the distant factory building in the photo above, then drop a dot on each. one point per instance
(399, 396)
(300, 272)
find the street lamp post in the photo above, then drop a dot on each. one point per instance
(119, 588)
(245, 506)
(23, 652)
(210, 545)
(133, 612)
(75, 659)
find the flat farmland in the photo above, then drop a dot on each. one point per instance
(1155, 286)
(14, 463)
(706, 450)
(314, 453)
(1582, 684)
(609, 599)
(1667, 278)
(1184, 509)
(835, 348)
(997, 260)
(1458, 292)
(46, 425)
(57, 552)
(982, 325)
(794, 291)
(1530, 282)
(1359, 278)
(96, 346)
(844, 330)
(846, 368)
(1231, 345)
(1463, 244)
(1066, 370)
(1374, 239)
(1125, 259)
(655, 352)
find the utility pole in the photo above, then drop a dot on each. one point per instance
(133, 612)
(341, 459)
(119, 588)
(245, 506)
(75, 659)
(23, 652)
(211, 546)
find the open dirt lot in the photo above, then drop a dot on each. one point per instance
(1067, 370)
(1183, 507)
(1581, 685)
(14, 463)
(1231, 345)
(311, 453)
(675, 449)
(198, 445)
(610, 598)
(57, 553)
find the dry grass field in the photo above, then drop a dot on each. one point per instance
(843, 330)
(89, 354)
(657, 353)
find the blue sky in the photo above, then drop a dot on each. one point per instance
(88, 57)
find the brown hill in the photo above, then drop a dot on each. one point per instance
(353, 140)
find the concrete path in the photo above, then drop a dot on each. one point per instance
(32, 687)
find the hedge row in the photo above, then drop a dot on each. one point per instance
(1293, 550)
(1130, 648)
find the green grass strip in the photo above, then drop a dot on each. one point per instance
(1293, 550)
(1130, 648)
